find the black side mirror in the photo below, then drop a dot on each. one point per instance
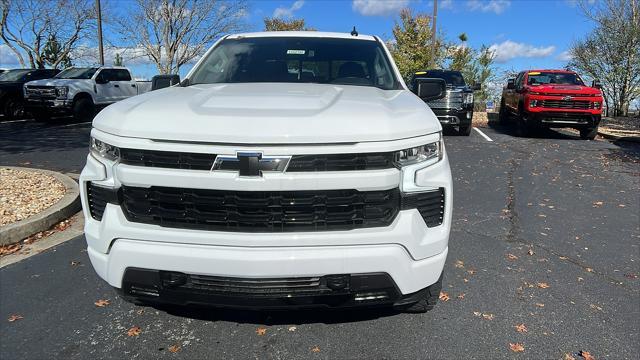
(100, 79)
(476, 87)
(430, 89)
(511, 84)
(163, 81)
(596, 84)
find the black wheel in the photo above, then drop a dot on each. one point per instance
(464, 130)
(524, 127)
(40, 116)
(428, 299)
(14, 108)
(503, 116)
(589, 133)
(83, 110)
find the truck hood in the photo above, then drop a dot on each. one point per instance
(54, 82)
(566, 89)
(270, 113)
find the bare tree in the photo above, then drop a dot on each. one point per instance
(173, 32)
(26, 26)
(611, 52)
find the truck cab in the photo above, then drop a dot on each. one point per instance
(537, 99)
(11, 83)
(456, 108)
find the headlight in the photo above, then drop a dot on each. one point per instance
(104, 150)
(428, 154)
(61, 92)
(596, 104)
(468, 98)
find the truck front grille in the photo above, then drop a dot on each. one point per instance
(41, 92)
(298, 163)
(260, 211)
(567, 104)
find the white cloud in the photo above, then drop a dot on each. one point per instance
(284, 12)
(495, 6)
(508, 50)
(445, 4)
(8, 58)
(378, 7)
(565, 56)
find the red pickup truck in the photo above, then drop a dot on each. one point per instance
(551, 98)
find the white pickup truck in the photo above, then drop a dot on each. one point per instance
(288, 169)
(81, 92)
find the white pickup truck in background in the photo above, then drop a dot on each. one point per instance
(81, 92)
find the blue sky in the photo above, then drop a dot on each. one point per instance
(524, 33)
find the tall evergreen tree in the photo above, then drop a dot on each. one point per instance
(54, 55)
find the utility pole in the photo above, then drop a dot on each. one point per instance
(433, 33)
(100, 49)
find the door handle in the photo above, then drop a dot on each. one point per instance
(133, 85)
(116, 85)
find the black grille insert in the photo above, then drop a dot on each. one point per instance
(430, 205)
(298, 163)
(98, 197)
(260, 211)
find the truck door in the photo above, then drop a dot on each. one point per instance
(513, 94)
(107, 87)
(127, 86)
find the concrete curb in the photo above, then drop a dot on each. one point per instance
(610, 136)
(63, 209)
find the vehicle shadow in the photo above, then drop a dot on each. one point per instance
(510, 129)
(278, 317)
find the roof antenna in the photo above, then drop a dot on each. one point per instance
(354, 32)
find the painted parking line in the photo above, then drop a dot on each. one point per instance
(15, 121)
(75, 124)
(483, 134)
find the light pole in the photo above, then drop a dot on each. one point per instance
(99, 13)
(433, 33)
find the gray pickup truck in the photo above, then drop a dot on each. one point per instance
(456, 108)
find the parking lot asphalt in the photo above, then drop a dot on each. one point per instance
(545, 233)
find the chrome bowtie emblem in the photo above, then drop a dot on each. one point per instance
(567, 98)
(251, 163)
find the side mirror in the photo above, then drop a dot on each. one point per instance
(511, 84)
(100, 79)
(596, 84)
(163, 81)
(430, 89)
(476, 87)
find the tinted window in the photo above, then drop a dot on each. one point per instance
(122, 75)
(298, 60)
(540, 78)
(14, 75)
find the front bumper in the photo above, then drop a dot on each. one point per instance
(561, 119)
(50, 105)
(454, 117)
(409, 252)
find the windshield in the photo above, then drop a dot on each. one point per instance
(13, 75)
(297, 60)
(540, 78)
(452, 78)
(77, 73)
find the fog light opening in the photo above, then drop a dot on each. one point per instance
(378, 295)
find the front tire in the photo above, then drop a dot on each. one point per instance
(14, 109)
(428, 300)
(464, 130)
(503, 116)
(589, 133)
(83, 110)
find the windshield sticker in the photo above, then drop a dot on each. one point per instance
(534, 73)
(421, 72)
(295, 52)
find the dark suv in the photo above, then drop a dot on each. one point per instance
(11, 93)
(456, 108)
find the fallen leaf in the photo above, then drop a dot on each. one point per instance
(597, 203)
(568, 356)
(75, 263)
(140, 312)
(10, 249)
(586, 355)
(459, 264)
(517, 347)
(622, 205)
(563, 258)
(465, 280)
(261, 331)
(471, 271)
(631, 276)
(101, 303)
(292, 328)
(595, 307)
(174, 348)
(15, 317)
(134, 331)
(315, 349)
(487, 316)
(512, 257)
(539, 304)
(530, 252)
(444, 296)
(460, 296)
(543, 285)
(589, 269)
(521, 328)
